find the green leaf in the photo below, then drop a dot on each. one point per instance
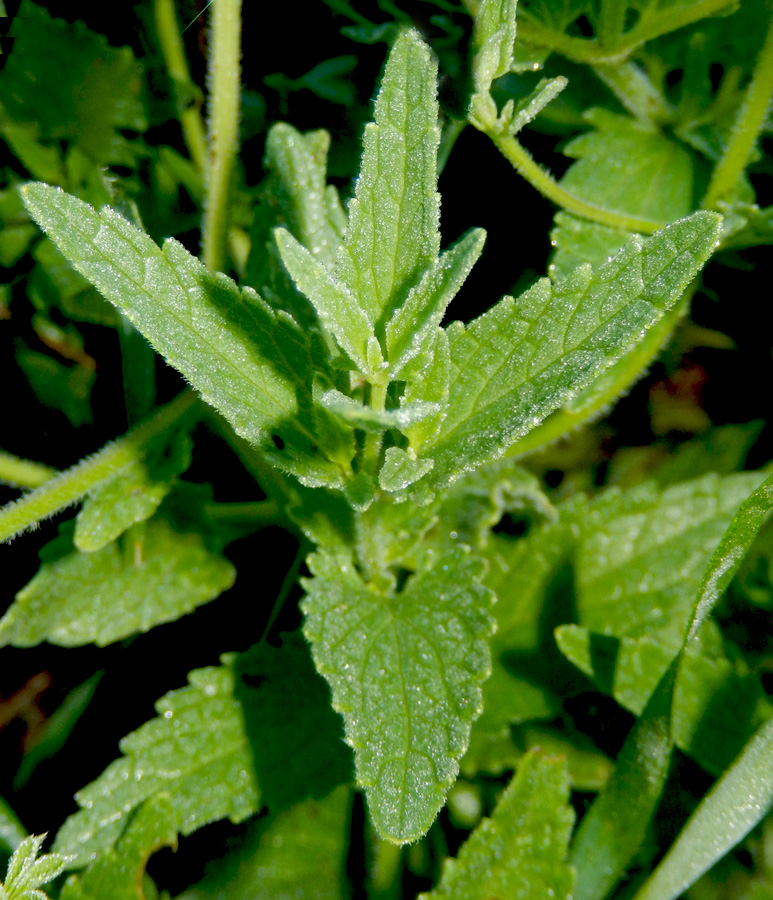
(198, 321)
(12, 832)
(423, 310)
(299, 163)
(427, 381)
(524, 358)
(114, 592)
(493, 39)
(405, 671)
(618, 162)
(729, 554)
(640, 571)
(736, 803)
(613, 830)
(716, 704)
(393, 219)
(197, 751)
(337, 308)
(299, 854)
(358, 415)
(64, 82)
(27, 871)
(299, 738)
(132, 496)
(521, 850)
(401, 469)
(117, 873)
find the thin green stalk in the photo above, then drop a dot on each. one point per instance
(525, 165)
(187, 94)
(611, 21)
(71, 485)
(288, 582)
(585, 50)
(374, 439)
(224, 100)
(746, 127)
(258, 513)
(23, 473)
(451, 131)
(630, 84)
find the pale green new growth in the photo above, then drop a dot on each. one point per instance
(336, 307)
(521, 850)
(299, 161)
(197, 750)
(418, 318)
(27, 871)
(114, 592)
(405, 672)
(393, 220)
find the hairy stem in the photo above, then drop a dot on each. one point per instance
(525, 165)
(374, 439)
(592, 51)
(71, 485)
(23, 473)
(630, 84)
(187, 94)
(224, 101)
(746, 127)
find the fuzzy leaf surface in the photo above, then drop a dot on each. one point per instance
(336, 306)
(423, 309)
(101, 597)
(27, 871)
(196, 750)
(521, 850)
(524, 358)
(393, 219)
(736, 803)
(405, 672)
(202, 324)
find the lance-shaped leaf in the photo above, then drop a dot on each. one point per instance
(524, 358)
(493, 38)
(27, 871)
(299, 165)
(360, 416)
(393, 219)
(196, 750)
(736, 803)
(114, 592)
(201, 323)
(422, 312)
(335, 305)
(521, 850)
(405, 671)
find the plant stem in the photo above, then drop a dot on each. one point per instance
(592, 51)
(187, 94)
(224, 100)
(630, 84)
(746, 127)
(525, 165)
(611, 21)
(258, 513)
(68, 487)
(374, 439)
(22, 472)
